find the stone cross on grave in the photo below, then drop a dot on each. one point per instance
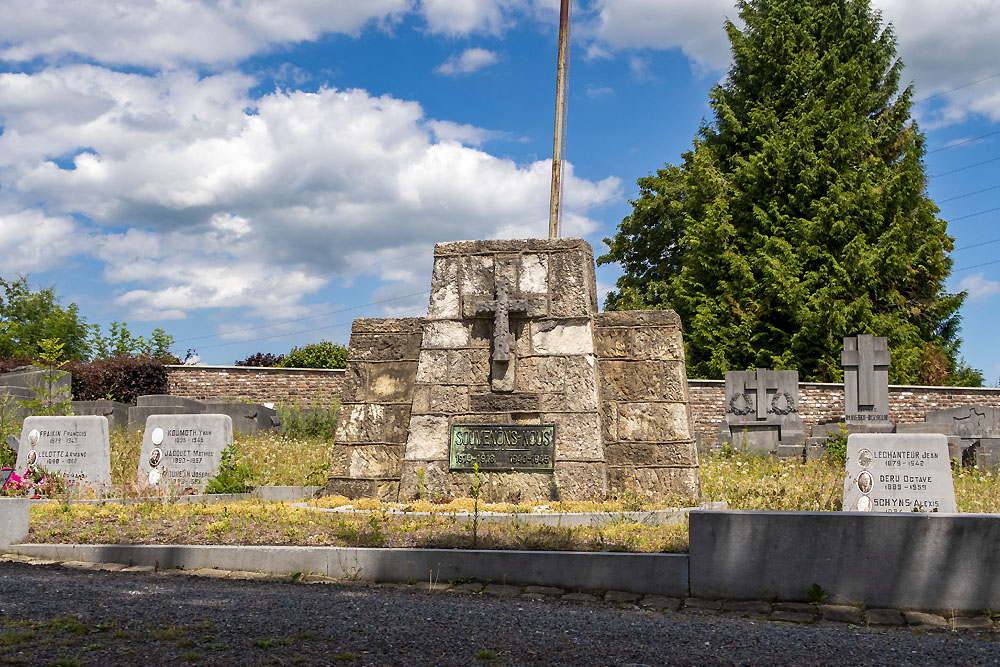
(867, 357)
(501, 307)
(761, 381)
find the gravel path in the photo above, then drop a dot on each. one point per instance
(62, 616)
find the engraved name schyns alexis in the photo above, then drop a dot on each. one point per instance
(503, 447)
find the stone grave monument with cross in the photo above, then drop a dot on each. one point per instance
(515, 376)
(762, 412)
(865, 360)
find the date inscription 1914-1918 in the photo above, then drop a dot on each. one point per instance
(503, 447)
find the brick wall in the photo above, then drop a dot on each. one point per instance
(259, 385)
(820, 402)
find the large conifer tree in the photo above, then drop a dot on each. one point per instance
(800, 215)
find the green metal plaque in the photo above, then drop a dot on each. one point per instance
(503, 447)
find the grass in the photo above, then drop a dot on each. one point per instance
(742, 481)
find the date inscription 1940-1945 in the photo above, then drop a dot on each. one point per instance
(503, 447)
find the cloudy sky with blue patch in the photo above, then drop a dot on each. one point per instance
(252, 175)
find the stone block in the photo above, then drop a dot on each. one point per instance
(514, 402)
(476, 275)
(363, 488)
(613, 343)
(444, 300)
(355, 382)
(925, 620)
(446, 334)
(540, 375)
(884, 617)
(655, 483)
(564, 337)
(639, 318)
(383, 347)
(433, 367)
(653, 422)
(580, 480)
(841, 613)
(366, 461)
(658, 343)
(631, 380)
(115, 412)
(506, 267)
(440, 399)
(577, 435)
(428, 438)
(496, 487)
(372, 423)
(391, 382)
(190, 405)
(650, 454)
(572, 291)
(534, 274)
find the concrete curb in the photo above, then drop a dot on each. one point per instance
(645, 574)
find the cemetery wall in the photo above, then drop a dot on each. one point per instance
(256, 384)
(820, 402)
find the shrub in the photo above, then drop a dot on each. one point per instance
(121, 378)
(318, 422)
(234, 475)
(323, 354)
(264, 359)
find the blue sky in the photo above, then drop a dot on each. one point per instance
(251, 176)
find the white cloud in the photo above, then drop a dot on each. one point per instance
(979, 287)
(226, 207)
(461, 17)
(34, 242)
(470, 60)
(593, 91)
(157, 34)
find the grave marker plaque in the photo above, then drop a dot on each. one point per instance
(503, 447)
(183, 451)
(76, 446)
(892, 472)
(866, 379)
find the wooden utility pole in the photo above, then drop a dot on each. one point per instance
(559, 142)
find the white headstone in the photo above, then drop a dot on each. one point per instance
(75, 446)
(183, 451)
(898, 472)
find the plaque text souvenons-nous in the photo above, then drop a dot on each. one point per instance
(502, 447)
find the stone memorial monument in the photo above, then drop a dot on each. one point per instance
(973, 433)
(183, 451)
(75, 446)
(890, 472)
(762, 412)
(866, 381)
(514, 372)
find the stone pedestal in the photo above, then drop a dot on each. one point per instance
(762, 412)
(512, 349)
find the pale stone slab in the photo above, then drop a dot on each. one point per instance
(445, 302)
(534, 273)
(183, 451)
(557, 337)
(428, 439)
(895, 472)
(446, 334)
(76, 446)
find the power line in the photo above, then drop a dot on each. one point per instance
(300, 319)
(976, 266)
(963, 142)
(972, 215)
(968, 194)
(964, 85)
(971, 166)
(976, 245)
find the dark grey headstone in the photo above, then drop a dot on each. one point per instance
(138, 414)
(77, 446)
(34, 378)
(192, 405)
(117, 413)
(891, 472)
(762, 411)
(968, 421)
(248, 418)
(183, 451)
(13, 443)
(866, 379)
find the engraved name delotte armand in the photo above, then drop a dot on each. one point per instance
(503, 447)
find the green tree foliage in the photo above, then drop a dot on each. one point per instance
(27, 318)
(800, 215)
(120, 342)
(323, 354)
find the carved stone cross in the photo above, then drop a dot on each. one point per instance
(762, 380)
(866, 357)
(501, 307)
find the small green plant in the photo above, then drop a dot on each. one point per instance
(815, 594)
(317, 422)
(50, 399)
(347, 656)
(233, 475)
(836, 446)
(486, 654)
(475, 492)
(422, 490)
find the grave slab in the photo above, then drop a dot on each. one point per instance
(892, 472)
(866, 379)
(76, 446)
(183, 451)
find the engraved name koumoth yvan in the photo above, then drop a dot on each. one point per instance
(503, 447)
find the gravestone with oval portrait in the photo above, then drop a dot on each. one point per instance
(897, 472)
(76, 446)
(183, 452)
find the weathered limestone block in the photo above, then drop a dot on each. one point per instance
(534, 275)
(366, 461)
(575, 439)
(656, 422)
(445, 302)
(564, 337)
(514, 402)
(477, 276)
(613, 343)
(440, 399)
(446, 334)
(572, 293)
(372, 422)
(428, 438)
(391, 382)
(655, 483)
(650, 454)
(380, 489)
